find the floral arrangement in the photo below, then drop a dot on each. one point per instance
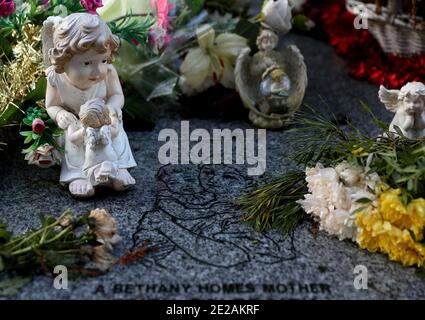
(370, 190)
(83, 243)
(45, 150)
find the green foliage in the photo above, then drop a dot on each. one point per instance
(51, 244)
(47, 137)
(248, 30)
(274, 205)
(15, 22)
(130, 29)
(195, 6)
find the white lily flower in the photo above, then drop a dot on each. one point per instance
(212, 62)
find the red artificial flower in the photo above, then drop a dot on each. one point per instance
(38, 126)
(91, 5)
(366, 58)
(6, 8)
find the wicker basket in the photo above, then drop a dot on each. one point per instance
(402, 36)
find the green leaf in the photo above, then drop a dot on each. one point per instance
(364, 201)
(358, 210)
(28, 139)
(412, 234)
(300, 22)
(398, 131)
(39, 92)
(8, 115)
(248, 30)
(28, 122)
(25, 133)
(5, 235)
(5, 47)
(35, 136)
(195, 5)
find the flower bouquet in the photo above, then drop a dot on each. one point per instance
(45, 150)
(83, 244)
(370, 190)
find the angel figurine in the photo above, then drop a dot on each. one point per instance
(84, 97)
(272, 84)
(408, 104)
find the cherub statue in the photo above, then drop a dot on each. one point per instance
(84, 97)
(408, 103)
(272, 84)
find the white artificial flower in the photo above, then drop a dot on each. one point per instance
(45, 156)
(333, 196)
(277, 15)
(212, 62)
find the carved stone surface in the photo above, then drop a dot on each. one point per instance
(187, 213)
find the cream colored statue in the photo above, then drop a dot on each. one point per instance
(84, 97)
(408, 104)
(272, 84)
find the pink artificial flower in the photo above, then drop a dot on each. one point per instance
(38, 126)
(6, 8)
(159, 32)
(162, 10)
(91, 5)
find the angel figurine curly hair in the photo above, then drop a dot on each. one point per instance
(408, 104)
(78, 52)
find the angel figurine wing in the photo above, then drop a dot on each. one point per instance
(296, 69)
(389, 98)
(245, 83)
(262, 113)
(47, 32)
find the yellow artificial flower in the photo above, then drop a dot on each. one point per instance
(212, 62)
(392, 228)
(359, 152)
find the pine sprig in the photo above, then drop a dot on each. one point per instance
(131, 29)
(322, 139)
(274, 205)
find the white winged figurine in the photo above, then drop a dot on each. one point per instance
(408, 104)
(271, 84)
